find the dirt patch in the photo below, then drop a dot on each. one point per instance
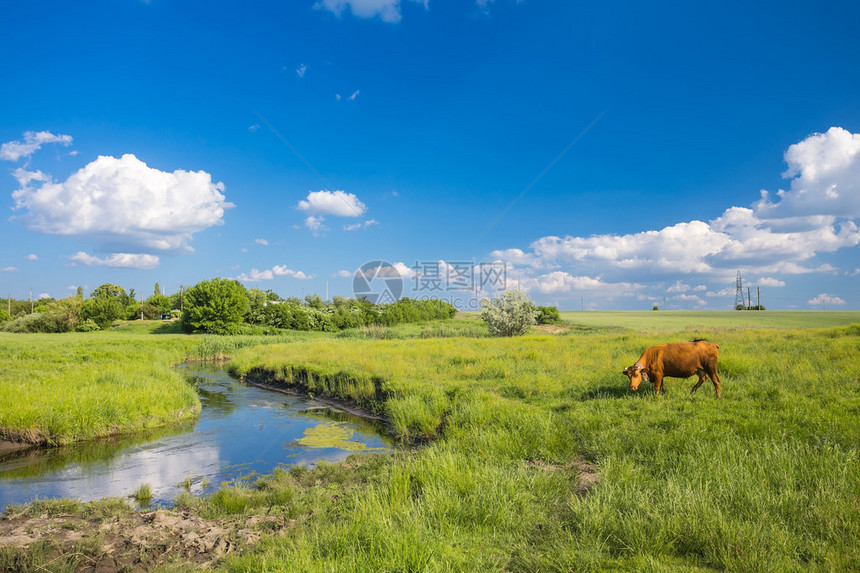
(552, 328)
(133, 541)
(587, 474)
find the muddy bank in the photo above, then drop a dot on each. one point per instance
(128, 541)
(6, 446)
(297, 385)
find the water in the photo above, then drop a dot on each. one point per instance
(242, 431)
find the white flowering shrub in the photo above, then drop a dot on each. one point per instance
(509, 314)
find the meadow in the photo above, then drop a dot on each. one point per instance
(62, 388)
(530, 454)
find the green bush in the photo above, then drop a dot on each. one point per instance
(548, 315)
(87, 325)
(215, 306)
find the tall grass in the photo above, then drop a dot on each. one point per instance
(766, 479)
(60, 388)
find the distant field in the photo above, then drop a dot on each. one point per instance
(681, 320)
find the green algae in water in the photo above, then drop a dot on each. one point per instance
(333, 435)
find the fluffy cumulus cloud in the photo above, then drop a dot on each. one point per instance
(781, 235)
(268, 274)
(30, 144)
(337, 203)
(142, 261)
(122, 202)
(769, 282)
(385, 10)
(334, 203)
(824, 170)
(824, 299)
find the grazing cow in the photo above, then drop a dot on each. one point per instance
(679, 360)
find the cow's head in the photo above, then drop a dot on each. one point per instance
(636, 374)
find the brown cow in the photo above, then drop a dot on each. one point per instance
(679, 360)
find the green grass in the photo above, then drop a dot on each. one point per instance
(680, 319)
(765, 479)
(60, 388)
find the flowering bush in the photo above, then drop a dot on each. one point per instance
(509, 314)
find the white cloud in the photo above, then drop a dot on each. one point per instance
(825, 168)
(315, 225)
(770, 282)
(253, 128)
(683, 247)
(557, 282)
(300, 70)
(354, 95)
(343, 274)
(517, 257)
(32, 257)
(769, 238)
(263, 242)
(120, 260)
(728, 291)
(337, 203)
(255, 276)
(32, 142)
(368, 223)
(9, 269)
(282, 270)
(825, 299)
(123, 202)
(678, 287)
(269, 274)
(386, 10)
(44, 295)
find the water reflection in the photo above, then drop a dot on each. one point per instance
(241, 430)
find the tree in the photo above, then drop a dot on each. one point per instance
(509, 314)
(215, 306)
(107, 303)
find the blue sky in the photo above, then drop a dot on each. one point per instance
(287, 143)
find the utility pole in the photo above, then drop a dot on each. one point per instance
(141, 306)
(326, 290)
(758, 297)
(739, 292)
(749, 299)
(31, 301)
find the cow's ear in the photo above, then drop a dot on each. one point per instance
(625, 370)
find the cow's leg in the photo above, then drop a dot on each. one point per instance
(702, 376)
(658, 382)
(715, 378)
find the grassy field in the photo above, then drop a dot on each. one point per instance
(673, 320)
(507, 433)
(766, 479)
(63, 388)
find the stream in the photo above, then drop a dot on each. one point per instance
(242, 431)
